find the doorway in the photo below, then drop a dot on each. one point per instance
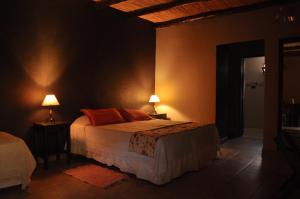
(254, 71)
(230, 85)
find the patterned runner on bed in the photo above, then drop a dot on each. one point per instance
(143, 142)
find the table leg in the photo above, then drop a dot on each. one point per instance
(45, 151)
(68, 146)
(46, 162)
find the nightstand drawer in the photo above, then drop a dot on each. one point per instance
(51, 139)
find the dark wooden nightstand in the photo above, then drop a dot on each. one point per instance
(162, 116)
(51, 139)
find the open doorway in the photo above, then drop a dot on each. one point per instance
(230, 85)
(254, 68)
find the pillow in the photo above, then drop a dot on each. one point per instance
(103, 116)
(134, 115)
(82, 120)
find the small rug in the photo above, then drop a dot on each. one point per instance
(96, 175)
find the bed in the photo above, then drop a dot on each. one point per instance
(173, 155)
(16, 161)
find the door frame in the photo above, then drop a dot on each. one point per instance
(230, 85)
(280, 78)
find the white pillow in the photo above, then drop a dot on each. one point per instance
(82, 120)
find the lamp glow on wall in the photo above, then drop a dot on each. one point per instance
(49, 101)
(154, 99)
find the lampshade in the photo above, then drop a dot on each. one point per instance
(154, 99)
(50, 100)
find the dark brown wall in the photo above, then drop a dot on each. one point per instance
(86, 56)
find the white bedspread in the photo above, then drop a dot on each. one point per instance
(16, 161)
(174, 155)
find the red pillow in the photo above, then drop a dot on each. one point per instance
(103, 116)
(134, 115)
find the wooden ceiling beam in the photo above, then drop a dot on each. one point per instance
(161, 7)
(223, 12)
(106, 3)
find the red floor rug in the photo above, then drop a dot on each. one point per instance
(96, 175)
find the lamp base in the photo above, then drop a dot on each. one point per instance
(154, 109)
(51, 118)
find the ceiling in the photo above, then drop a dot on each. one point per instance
(167, 12)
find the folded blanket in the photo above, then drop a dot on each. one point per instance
(143, 142)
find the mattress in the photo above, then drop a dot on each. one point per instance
(174, 155)
(16, 161)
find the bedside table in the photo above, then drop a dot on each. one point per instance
(51, 139)
(162, 116)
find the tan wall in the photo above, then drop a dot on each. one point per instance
(186, 63)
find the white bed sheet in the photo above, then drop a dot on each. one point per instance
(174, 155)
(16, 161)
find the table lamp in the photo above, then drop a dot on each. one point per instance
(49, 101)
(154, 99)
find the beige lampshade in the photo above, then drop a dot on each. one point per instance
(50, 100)
(154, 99)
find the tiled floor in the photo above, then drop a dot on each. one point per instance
(239, 173)
(253, 133)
